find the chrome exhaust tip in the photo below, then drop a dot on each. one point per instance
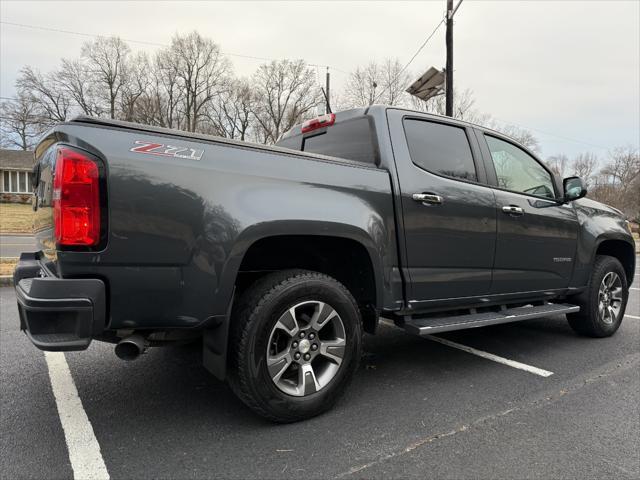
(131, 347)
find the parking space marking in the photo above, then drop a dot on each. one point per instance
(632, 316)
(480, 353)
(84, 450)
(634, 288)
(491, 356)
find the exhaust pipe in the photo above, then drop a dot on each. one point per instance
(131, 347)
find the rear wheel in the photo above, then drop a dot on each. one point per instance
(296, 339)
(603, 304)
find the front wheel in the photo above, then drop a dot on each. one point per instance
(603, 304)
(296, 340)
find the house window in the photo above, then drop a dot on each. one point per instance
(14, 181)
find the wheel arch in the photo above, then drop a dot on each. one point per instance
(316, 240)
(620, 249)
(346, 252)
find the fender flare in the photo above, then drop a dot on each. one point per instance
(215, 337)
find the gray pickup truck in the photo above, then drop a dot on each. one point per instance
(279, 257)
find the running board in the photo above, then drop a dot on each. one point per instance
(427, 326)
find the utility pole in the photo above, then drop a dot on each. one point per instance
(328, 81)
(449, 67)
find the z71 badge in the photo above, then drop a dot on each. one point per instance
(162, 150)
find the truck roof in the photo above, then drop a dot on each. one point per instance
(380, 109)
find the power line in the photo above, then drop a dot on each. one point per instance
(411, 60)
(82, 34)
(144, 42)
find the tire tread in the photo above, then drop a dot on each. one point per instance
(586, 322)
(246, 312)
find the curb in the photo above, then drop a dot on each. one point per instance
(6, 281)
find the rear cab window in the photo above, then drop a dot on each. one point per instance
(352, 139)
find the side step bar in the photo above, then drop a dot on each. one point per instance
(427, 326)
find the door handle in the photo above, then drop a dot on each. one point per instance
(513, 210)
(430, 198)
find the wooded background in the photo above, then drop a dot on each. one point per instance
(190, 85)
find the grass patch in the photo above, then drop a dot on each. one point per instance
(7, 266)
(16, 218)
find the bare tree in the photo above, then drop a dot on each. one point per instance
(231, 113)
(285, 92)
(623, 166)
(361, 87)
(201, 71)
(165, 96)
(74, 78)
(558, 164)
(463, 107)
(584, 166)
(619, 182)
(106, 59)
(377, 83)
(137, 83)
(52, 102)
(19, 123)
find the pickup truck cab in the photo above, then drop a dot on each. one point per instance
(279, 257)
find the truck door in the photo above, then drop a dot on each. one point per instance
(448, 211)
(537, 236)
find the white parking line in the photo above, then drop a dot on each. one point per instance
(84, 450)
(634, 288)
(480, 353)
(632, 316)
(491, 356)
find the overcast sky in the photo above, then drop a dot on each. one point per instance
(568, 71)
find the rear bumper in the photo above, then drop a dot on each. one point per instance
(58, 314)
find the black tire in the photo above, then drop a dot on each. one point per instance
(589, 321)
(253, 320)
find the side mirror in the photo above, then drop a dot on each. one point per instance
(574, 188)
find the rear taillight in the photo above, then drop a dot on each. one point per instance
(319, 122)
(76, 199)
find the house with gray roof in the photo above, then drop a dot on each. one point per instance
(15, 176)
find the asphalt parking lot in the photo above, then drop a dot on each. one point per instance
(417, 409)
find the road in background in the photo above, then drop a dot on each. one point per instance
(13, 245)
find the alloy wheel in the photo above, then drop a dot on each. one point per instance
(306, 348)
(610, 298)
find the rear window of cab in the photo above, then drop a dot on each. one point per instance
(351, 139)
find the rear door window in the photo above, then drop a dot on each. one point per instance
(441, 149)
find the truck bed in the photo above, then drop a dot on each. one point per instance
(200, 137)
